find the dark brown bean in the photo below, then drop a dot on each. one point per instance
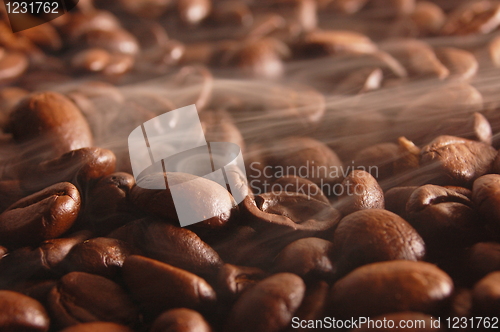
(486, 296)
(97, 327)
(51, 123)
(91, 60)
(486, 196)
(457, 161)
(268, 306)
(219, 126)
(361, 191)
(292, 183)
(82, 23)
(44, 36)
(44, 215)
(9, 97)
(22, 313)
(482, 258)
(396, 199)
(379, 157)
(428, 17)
(462, 64)
(308, 257)
(158, 286)
(386, 287)
(81, 297)
(216, 200)
(180, 320)
(373, 235)
(313, 304)
(233, 280)
(101, 256)
(333, 42)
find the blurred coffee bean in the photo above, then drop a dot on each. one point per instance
(219, 126)
(292, 183)
(461, 303)
(80, 24)
(97, 327)
(389, 287)
(101, 256)
(396, 199)
(334, 42)
(442, 216)
(473, 18)
(231, 12)
(428, 17)
(217, 202)
(44, 215)
(373, 235)
(409, 156)
(108, 206)
(313, 303)
(22, 313)
(114, 41)
(417, 56)
(180, 320)
(78, 166)
(300, 12)
(486, 296)
(361, 191)
(360, 81)
(149, 9)
(486, 195)
(91, 60)
(120, 64)
(82, 297)
(307, 258)
(44, 36)
(12, 66)
(380, 157)
(482, 258)
(344, 6)
(457, 161)
(233, 280)
(157, 286)
(494, 51)
(51, 123)
(9, 97)
(268, 306)
(192, 12)
(413, 321)
(461, 64)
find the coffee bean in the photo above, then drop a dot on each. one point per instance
(97, 327)
(390, 287)
(157, 286)
(333, 42)
(150, 9)
(82, 297)
(101, 256)
(312, 306)
(346, 6)
(9, 97)
(231, 13)
(306, 257)
(482, 258)
(44, 215)
(219, 126)
(292, 183)
(217, 202)
(380, 157)
(22, 313)
(486, 295)
(373, 235)
(268, 306)
(52, 123)
(472, 18)
(485, 195)
(461, 64)
(91, 60)
(396, 199)
(361, 191)
(192, 12)
(363, 80)
(233, 280)
(82, 23)
(180, 320)
(428, 17)
(12, 66)
(494, 51)
(44, 36)
(457, 161)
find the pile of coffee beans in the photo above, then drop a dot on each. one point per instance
(370, 131)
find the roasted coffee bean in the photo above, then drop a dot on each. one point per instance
(414, 321)
(428, 17)
(417, 56)
(12, 66)
(292, 183)
(482, 258)
(268, 306)
(180, 320)
(233, 280)
(44, 215)
(313, 303)
(192, 12)
(461, 64)
(82, 23)
(108, 206)
(308, 257)
(51, 123)
(214, 199)
(379, 157)
(81, 297)
(486, 296)
(114, 41)
(389, 287)
(101, 256)
(44, 36)
(442, 216)
(409, 156)
(22, 313)
(9, 97)
(120, 64)
(150, 9)
(457, 161)
(360, 81)
(334, 42)
(91, 60)
(361, 191)
(97, 327)
(494, 51)
(396, 199)
(157, 286)
(78, 166)
(473, 18)
(373, 235)
(461, 303)
(219, 126)
(486, 195)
